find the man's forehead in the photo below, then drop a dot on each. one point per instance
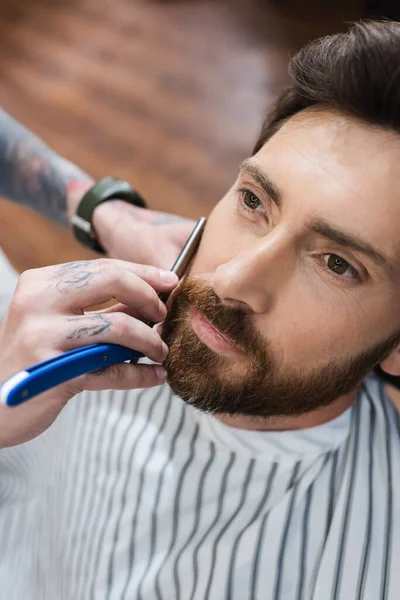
(333, 140)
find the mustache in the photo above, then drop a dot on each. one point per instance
(232, 322)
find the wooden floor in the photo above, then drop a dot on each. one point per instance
(167, 94)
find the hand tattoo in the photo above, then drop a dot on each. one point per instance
(88, 325)
(74, 275)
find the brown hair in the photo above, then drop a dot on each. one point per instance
(356, 73)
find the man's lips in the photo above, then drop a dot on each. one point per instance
(210, 336)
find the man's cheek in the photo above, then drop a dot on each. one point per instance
(213, 252)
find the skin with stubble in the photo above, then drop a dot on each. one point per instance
(293, 296)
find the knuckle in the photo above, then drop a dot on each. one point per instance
(156, 341)
(122, 325)
(141, 378)
(107, 267)
(150, 301)
(77, 386)
(27, 276)
(150, 272)
(102, 263)
(151, 308)
(25, 281)
(148, 275)
(145, 271)
(139, 270)
(20, 303)
(25, 291)
(115, 373)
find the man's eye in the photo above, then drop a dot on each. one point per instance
(340, 266)
(251, 200)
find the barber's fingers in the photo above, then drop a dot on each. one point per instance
(40, 338)
(79, 271)
(74, 286)
(120, 308)
(123, 376)
(115, 328)
(77, 286)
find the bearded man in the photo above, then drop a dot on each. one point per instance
(268, 465)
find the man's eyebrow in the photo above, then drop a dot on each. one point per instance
(350, 241)
(263, 181)
(319, 227)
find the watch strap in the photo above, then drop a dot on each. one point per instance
(108, 188)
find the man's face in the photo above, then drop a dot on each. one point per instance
(299, 268)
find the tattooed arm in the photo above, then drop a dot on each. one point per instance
(35, 176)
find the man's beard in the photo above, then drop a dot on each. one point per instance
(211, 383)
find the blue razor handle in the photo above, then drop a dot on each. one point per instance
(45, 375)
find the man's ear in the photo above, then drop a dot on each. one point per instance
(391, 364)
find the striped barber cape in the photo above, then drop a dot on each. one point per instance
(137, 496)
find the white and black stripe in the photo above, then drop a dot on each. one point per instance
(137, 495)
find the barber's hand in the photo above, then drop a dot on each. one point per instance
(140, 235)
(46, 317)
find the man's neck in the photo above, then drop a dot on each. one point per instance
(286, 423)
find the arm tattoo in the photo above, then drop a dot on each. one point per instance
(88, 325)
(32, 174)
(72, 276)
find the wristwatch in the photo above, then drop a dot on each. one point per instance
(108, 188)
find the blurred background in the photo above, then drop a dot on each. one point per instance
(168, 94)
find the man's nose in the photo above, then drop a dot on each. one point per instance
(251, 280)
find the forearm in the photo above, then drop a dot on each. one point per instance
(33, 175)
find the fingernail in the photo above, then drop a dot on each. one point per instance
(168, 276)
(165, 350)
(161, 373)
